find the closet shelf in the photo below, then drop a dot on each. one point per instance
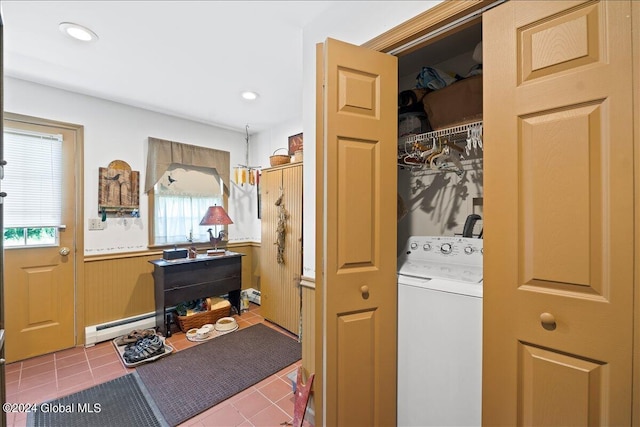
(442, 150)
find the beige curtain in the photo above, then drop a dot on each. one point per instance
(163, 153)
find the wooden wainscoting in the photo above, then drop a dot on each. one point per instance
(308, 324)
(121, 285)
(118, 286)
(250, 263)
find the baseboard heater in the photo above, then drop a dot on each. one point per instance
(110, 330)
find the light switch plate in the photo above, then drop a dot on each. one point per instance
(97, 224)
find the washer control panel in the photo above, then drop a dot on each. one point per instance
(456, 258)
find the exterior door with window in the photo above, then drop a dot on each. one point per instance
(39, 237)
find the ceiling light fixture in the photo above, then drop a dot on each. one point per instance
(249, 95)
(78, 32)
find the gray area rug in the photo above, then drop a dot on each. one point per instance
(191, 381)
(120, 402)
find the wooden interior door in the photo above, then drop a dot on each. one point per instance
(39, 281)
(357, 287)
(279, 282)
(558, 175)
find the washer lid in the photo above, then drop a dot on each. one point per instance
(434, 270)
(442, 285)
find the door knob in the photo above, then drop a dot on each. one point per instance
(64, 251)
(548, 321)
(364, 289)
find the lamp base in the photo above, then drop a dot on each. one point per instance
(215, 252)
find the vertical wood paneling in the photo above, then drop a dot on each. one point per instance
(308, 327)
(120, 286)
(280, 291)
(116, 288)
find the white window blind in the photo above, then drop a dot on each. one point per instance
(33, 179)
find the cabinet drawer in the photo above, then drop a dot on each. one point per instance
(203, 272)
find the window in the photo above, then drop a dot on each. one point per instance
(182, 182)
(181, 199)
(33, 183)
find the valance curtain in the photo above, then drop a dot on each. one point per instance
(163, 153)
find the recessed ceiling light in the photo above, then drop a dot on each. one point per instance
(78, 32)
(249, 95)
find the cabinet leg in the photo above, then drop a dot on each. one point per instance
(167, 325)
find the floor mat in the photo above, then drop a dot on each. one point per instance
(193, 380)
(123, 401)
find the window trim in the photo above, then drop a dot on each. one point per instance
(187, 155)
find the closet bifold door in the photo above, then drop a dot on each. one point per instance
(280, 277)
(559, 213)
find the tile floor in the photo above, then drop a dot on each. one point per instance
(268, 403)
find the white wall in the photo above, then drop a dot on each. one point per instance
(265, 143)
(353, 22)
(114, 131)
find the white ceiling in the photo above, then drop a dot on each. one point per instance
(191, 59)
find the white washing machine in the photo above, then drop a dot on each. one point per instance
(440, 332)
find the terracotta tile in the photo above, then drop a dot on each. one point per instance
(107, 372)
(38, 394)
(10, 417)
(224, 415)
(68, 352)
(246, 423)
(20, 419)
(275, 390)
(38, 381)
(287, 404)
(84, 379)
(243, 324)
(12, 367)
(270, 416)
(241, 395)
(12, 376)
(105, 359)
(12, 390)
(286, 371)
(37, 360)
(70, 360)
(35, 370)
(73, 370)
(251, 404)
(100, 350)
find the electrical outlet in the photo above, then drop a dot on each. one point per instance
(96, 224)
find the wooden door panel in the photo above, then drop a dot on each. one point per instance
(357, 184)
(574, 399)
(358, 290)
(543, 49)
(558, 213)
(356, 388)
(561, 219)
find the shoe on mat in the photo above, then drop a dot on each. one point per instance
(134, 336)
(144, 349)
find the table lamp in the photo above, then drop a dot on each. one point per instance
(216, 215)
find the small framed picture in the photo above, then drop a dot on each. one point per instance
(295, 143)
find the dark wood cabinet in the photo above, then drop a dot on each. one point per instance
(187, 279)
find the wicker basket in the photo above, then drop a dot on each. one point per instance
(202, 318)
(279, 159)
